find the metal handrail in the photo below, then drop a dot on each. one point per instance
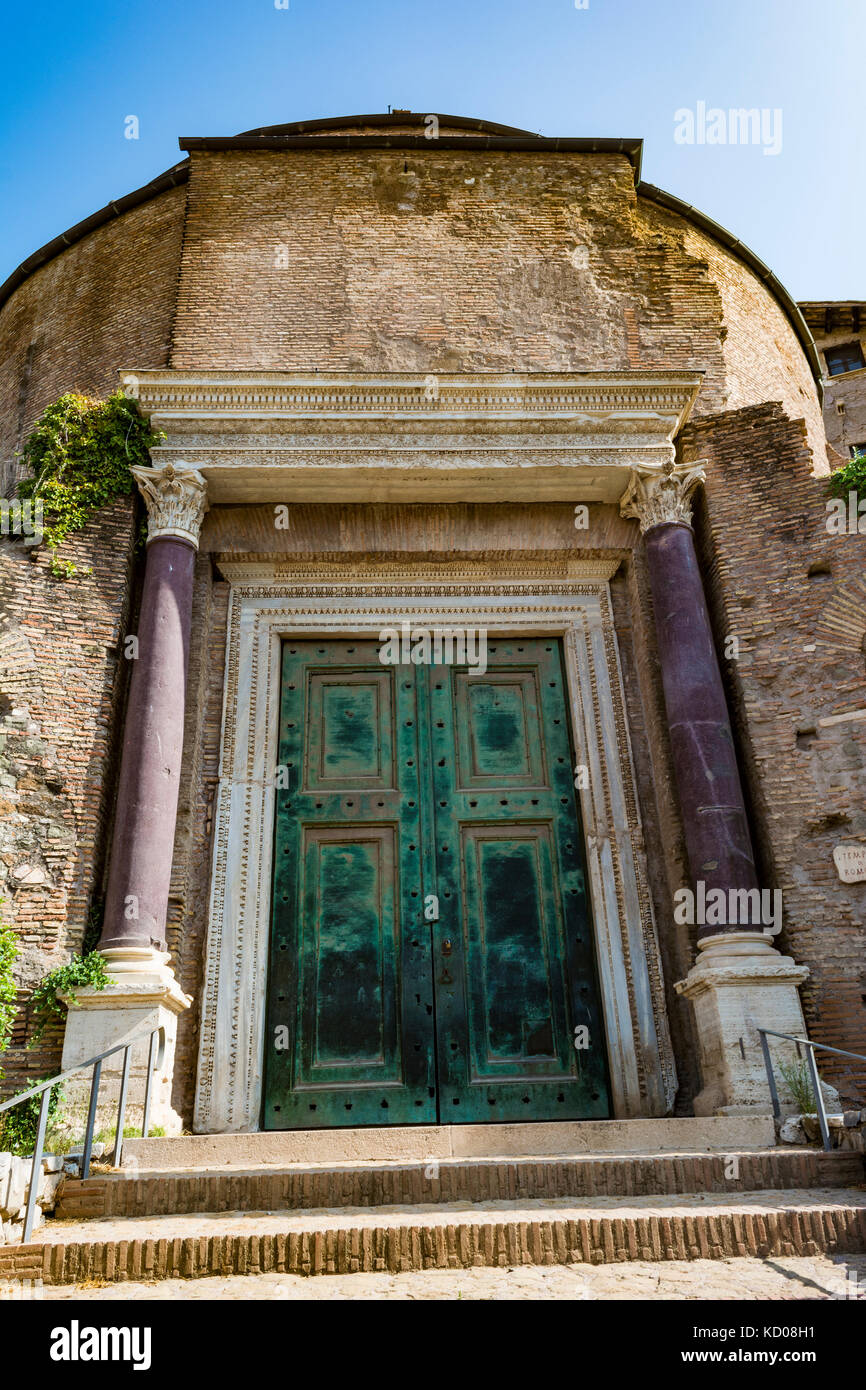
(814, 1078)
(154, 1062)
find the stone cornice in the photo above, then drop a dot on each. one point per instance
(481, 395)
(418, 573)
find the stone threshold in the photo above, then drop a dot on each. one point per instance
(417, 1143)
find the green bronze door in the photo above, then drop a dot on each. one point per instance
(431, 953)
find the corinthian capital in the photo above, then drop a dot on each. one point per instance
(655, 496)
(176, 501)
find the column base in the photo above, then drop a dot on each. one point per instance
(738, 984)
(145, 994)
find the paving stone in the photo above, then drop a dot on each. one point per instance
(695, 1280)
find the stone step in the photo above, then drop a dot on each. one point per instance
(472, 1180)
(594, 1230)
(414, 1143)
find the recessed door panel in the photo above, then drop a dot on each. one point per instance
(350, 950)
(350, 730)
(515, 951)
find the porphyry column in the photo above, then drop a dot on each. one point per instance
(739, 982)
(133, 935)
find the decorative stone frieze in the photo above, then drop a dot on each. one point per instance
(659, 496)
(176, 501)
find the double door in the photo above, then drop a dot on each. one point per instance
(431, 955)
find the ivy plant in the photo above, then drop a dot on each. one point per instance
(45, 1007)
(9, 953)
(851, 477)
(79, 455)
(20, 1125)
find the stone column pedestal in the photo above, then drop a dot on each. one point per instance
(144, 992)
(738, 984)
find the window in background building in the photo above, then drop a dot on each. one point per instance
(858, 451)
(847, 358)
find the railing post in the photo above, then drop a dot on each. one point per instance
(771, 1076)
(91, 1119)
(151, 1057)
(36, 1166)
(121, 1107)
(819, 1098)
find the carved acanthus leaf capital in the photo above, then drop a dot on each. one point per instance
(176, 501)
(656, 496)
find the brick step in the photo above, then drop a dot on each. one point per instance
(469, 1180)
(595, 1230)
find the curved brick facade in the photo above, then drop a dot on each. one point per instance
(106, 301)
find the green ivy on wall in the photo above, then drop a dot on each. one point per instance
(9, 953)
(851, 477)
(79, 455)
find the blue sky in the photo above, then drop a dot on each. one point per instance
(74, 72)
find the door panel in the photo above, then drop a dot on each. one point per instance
(404, 782)
(349, 985)
(513, 947)
(349, 947)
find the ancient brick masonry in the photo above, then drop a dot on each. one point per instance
(106, 301)
(62, 681)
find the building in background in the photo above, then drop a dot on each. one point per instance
(839, 330)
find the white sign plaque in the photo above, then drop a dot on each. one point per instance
(851, 862)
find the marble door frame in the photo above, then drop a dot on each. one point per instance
(273, 600)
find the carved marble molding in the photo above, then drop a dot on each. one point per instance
(656, 496)
(482, 436)
(176, 501)
(335, 601)
(463, 395)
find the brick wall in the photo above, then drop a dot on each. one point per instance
(62, 682)
(460, 261)
(105, 303)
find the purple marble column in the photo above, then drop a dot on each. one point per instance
(143, 839)
(718, 841)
